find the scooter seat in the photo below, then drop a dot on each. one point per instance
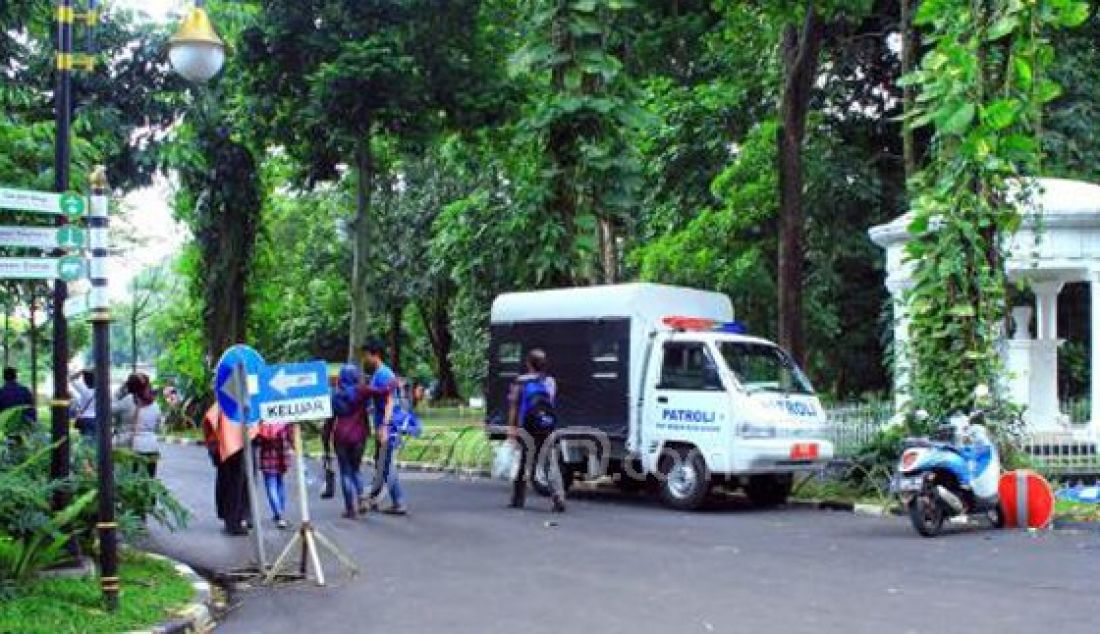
(916, 443)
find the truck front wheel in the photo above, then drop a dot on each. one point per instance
(684, 479)
(767, 491)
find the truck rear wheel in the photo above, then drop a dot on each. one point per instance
(768, 491)
(684, 479)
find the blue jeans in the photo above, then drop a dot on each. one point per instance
(385, 473)
(276, 494)
(350, 458)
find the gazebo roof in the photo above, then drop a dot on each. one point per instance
(1062, 203)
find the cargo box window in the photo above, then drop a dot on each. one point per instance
(605, 360)
(688, 366)
(509, 357)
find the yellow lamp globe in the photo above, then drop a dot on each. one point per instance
(196, 51)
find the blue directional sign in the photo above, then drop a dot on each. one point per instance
(234, 399)
(295, 392)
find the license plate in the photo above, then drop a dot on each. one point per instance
(909, 484)
(804, 451)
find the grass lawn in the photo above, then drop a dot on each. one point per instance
(151, 591)
(1076, 512)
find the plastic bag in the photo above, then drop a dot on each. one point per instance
(506, 461)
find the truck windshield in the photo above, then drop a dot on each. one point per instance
(763, 368)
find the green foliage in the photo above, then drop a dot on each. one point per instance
(32, 534)
(983, 85)
(151, 591)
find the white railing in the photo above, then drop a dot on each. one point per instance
(853, 426)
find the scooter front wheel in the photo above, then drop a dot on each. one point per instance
(927, 514)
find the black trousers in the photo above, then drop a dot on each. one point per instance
(231, 491)
(534, 449)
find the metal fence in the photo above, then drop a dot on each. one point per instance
(1056, 455)
(853, 425)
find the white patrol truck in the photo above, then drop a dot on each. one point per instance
(658, 385)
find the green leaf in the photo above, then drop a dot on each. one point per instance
(1000, 114)
(584, 6)
(1048, 91)
(1001, 28)
(957, 121)
(1021, 69)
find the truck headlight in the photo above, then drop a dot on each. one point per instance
(748, 430)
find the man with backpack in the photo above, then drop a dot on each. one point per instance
(532, 398)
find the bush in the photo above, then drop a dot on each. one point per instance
(32, 534)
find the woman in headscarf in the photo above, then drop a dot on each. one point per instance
(349, 434)
(225, 444)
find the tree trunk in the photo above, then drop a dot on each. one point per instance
(609, 255)
(437, 324)
(395, 338)
(800, 56)
(908, 48)
(33, 329)
(133, 340)
(7, 335)
(360, 293)
(228, 239)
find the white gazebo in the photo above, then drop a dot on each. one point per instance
(1058, 243)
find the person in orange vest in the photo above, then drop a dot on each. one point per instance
(224, 443)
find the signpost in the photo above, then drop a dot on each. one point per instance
(237, 386)
(295, 392)
(69, 268)
(67, 237)
(70, 204)
(251, 392)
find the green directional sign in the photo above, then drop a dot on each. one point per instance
(70, 237)
(67, 237)
(72, 204)
(70, 268)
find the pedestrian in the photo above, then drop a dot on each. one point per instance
(225, 445)
(350, 432)
(83, 407)
(139, 419)
(275, 450)
(531, 411)
(384, 389)
(15, 394)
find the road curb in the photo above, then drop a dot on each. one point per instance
(176, 440)
(867, 510)
(194, 618)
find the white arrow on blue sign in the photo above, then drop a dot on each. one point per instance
(237, 403)
(295, 392)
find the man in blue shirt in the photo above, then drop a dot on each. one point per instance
(383, 392)
(15, 394)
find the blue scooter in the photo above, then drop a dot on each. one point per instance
(954, 474)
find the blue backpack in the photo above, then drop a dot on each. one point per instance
(536, 406)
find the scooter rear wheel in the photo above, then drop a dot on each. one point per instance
(927, 514)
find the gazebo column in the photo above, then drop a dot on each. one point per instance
(897, 289)
(1046, 309)
(1094, 320)
(1045, 408)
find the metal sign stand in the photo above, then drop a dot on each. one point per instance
(253, 503)
(307, 535)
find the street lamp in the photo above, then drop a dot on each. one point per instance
(196, 51)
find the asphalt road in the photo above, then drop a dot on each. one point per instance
(463, 563)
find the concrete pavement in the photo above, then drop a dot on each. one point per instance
(464, 563)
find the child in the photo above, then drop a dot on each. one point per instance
(275, 446)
